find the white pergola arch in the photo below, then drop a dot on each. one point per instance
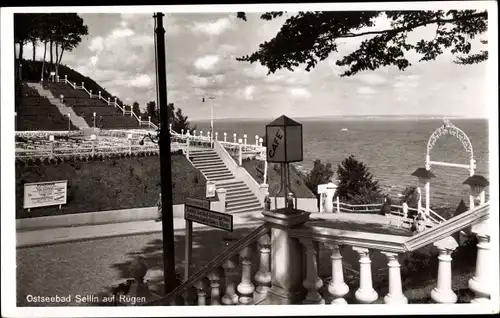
(448, 129)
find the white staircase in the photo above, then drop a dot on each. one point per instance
(75, 119)
(239, 197)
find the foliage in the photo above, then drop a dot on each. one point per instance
(136, 109)
(410, 196)
(365, 196)
(310, 37)
(62, 31)
(320, 174)
(178, 120)
(355, 180)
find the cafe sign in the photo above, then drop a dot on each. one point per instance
(284, 141)
(41, 194)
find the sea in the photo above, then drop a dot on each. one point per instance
(391, 148)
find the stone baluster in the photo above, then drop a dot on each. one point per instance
(225, 137)
(263, 276)
(443, 292)
(234, 137)
(214, 278)
(337, 286)
(365, 293)
(246, 287)
(230, 297)
(480, 283)
(200, 291)
(312, 282)
(395, 295)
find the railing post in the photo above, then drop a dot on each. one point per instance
(245, 139)
(234, 137)
(230, 297)
(129, 137)
(216, 136)
(214, 278)
(395, 295)
(149, 121)
(221, 194)
(99, 94)
(108, 101)
(286, 256)
(365, 293)
(83, 85)
(330, 192)
(246, 287)
(225, 137)
(93, 139)
(256, 140)
(261, 141)
(74, 85)
(337, 286)
(187, 145)
(240, 156)
(200, 291)
(312, 282)
(170, 127)
(66, 79)
(182, 132)
(263, 276)
(337, 199)
(115, 103)
(90, 93)
(443, 292)
(140, 121)
(480, 283)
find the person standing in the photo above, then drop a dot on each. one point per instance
(160, 214)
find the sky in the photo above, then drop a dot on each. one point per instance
(118, 53)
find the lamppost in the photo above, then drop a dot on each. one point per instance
(169, 274)
(211, 117)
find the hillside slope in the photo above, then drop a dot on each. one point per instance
(109, 184)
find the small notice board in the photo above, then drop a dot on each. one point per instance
(208, 217)
(39, 194)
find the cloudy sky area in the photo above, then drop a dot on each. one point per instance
(201, 49)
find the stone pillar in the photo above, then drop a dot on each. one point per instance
(264, 188)
(246, 287)
(286, 256)
(221, 194)
(214, 278)
(330, 192)
(443, 293)
(337, 287)
(234, 137)
(365, 293)
(263, 276)
(312, 282)
(480, 283)
(245, 139)
(256, 140)
(216, 136)
(395, 295)
(225, 137)
(240, 153)
(230, 297)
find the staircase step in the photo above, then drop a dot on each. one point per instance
(240, 196)
(250, 208)
(216, 168)
(203, 152)
(239, 193)
(232, 183)
(217, 175)
(221, 178)
(209, 165)
(235, 188)
(207, 158)
(243, 202)
(246, 202)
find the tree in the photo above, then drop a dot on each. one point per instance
(180, 122)
(355, 179)
(320, 174)
(309, 37)
(136, 109)
(410, 195)
(152, 111)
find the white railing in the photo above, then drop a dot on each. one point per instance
(122, 108)
(299, 252)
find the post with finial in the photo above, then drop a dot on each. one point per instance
(284, 146)
(256, 140)
(216, 136)
(240, 154)
(225, 137)
(245, 139)
(100, 95)
(108, 101)
(65, 79)
(234, 137)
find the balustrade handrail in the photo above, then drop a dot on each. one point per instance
(216, 262)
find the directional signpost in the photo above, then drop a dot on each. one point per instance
(198, 210)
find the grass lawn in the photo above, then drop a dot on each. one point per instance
(109, 184)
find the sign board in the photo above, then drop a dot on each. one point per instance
(211, 218)
(40, 194)
(275, 144)
(284, 141)
(197, 202)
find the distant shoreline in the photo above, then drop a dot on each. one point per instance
(342, 118)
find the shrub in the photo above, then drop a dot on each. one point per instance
(319, 174)
(355, 180)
